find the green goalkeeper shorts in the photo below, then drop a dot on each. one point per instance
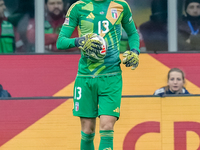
(97, 96)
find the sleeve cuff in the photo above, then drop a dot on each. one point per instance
(135, 51)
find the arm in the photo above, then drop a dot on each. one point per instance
(19, 44)
(71, 22)
(131, 57)
(130, 28)
(85, 43)
(64, 41)
(133, 36)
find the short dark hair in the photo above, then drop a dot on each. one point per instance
(187, 2)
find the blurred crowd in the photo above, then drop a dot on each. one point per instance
(18, 25)
(17, 30)
(155, 31)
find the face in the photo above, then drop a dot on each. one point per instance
(2, 8)
(175, 81)
(55, 6)
(193, 9)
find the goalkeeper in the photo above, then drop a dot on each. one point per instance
(98, 84)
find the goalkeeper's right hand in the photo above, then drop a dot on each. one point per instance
(87, 44)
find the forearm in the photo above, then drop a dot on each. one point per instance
(133, 36)
(64, 41)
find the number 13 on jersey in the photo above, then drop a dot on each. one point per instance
(105, 24)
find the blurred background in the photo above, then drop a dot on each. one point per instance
(158, 32)
(163, 26)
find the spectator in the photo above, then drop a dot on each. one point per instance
(189, 26)
(176, 81)
(154, 31)
(20, 17)
(4, 93)
(8, 35)
(55, 16)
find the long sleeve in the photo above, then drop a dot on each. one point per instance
(129, 26)
(64, 41)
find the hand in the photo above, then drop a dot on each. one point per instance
(131, 58)
(194, 40)
(87, 44)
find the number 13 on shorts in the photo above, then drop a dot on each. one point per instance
(77, 96)
(77, 93)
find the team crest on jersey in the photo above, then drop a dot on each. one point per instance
(76, 106)
(66, 21)
(114, 13)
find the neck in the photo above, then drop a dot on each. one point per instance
(176, 92)
(191, 18)
(51, 16)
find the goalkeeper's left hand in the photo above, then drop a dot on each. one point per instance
(131, 58)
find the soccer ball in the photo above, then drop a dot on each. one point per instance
(99, 55)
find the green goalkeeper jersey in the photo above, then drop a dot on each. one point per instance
(105, 18)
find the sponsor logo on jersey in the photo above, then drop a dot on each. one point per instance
(101, 12)
(116, 110)
(114, 13)
(76, 106)
(91, 16)
(103, 51)
(66, 21)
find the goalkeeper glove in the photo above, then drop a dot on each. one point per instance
(87, 44)
(131, 58)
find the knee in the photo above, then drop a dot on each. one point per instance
(88, 130)
(88, 125)
(106, 126)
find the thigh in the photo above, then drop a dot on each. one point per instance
(110, 96)
(85, 98)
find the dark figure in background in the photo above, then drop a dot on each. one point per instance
(9, 38)
(154, 31)
(4, 93)
(189, 26)
(20, 17)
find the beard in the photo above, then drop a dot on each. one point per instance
(55, 16)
